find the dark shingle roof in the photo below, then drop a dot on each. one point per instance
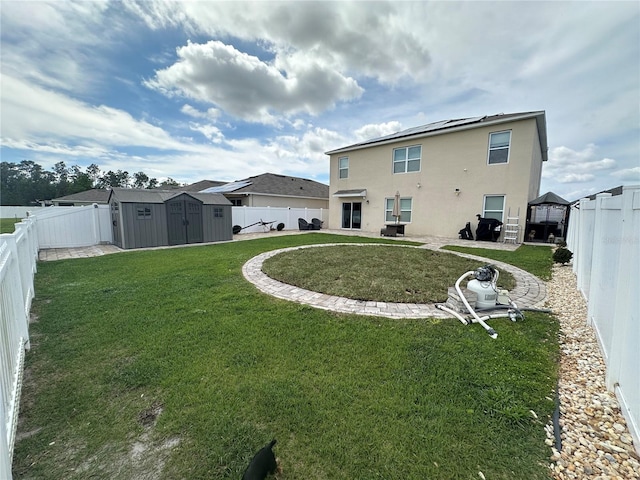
(95, 195)
(138, 195)
(201, 185)
(613, 191)
(446, 126)
(273, 184)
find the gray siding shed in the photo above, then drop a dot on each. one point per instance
(154, 218)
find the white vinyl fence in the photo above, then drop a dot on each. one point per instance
(69, 227)
(604, 236)
(254, 216)
(18, 256)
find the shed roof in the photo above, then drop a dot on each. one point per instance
(95, 195)
(140, 195)
(274, 184)
(549, 198)
(448, 126)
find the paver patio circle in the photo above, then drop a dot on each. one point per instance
(530, 291)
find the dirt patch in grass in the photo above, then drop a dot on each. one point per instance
(143, 459)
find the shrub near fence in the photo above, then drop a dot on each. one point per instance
(18, 257)
(604, 236)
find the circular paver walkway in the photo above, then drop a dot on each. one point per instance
(530, 291)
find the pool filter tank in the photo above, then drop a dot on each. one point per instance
(483, 285)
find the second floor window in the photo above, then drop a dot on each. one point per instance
(499, 144)
(407, 159)
(343, 167)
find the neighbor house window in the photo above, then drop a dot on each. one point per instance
(218, 212)
(493, 207)
(144, 213)
(499, 143)
(236, 202)
(405, 210)
(343, 167)
(407, 159)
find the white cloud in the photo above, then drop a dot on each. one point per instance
(566, 165)
(248, 88)
(51, 42)
(56, 119)
(212, 132)
(377, 39)
(211, 113)
(628, 174)
(575, 178)
(370, 131)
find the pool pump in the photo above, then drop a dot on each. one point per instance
(484, 286)
(488, 299)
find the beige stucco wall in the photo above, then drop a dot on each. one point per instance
(449, 161)
(282, 201)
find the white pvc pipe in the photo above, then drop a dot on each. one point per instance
(454, 313)
(492, 333)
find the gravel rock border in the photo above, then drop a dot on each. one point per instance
(596, 443)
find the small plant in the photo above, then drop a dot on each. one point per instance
(562, 255)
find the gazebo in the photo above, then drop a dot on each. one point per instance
(547, 218)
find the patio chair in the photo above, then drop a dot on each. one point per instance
(304, 225)
(317, 223)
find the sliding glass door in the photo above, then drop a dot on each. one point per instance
(351, 214)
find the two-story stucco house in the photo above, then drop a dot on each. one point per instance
(445, 172)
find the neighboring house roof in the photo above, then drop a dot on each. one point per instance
(276, 185)
(549, 198)
(613, 191)
(448, 126)
(95, 195)
(140, 195)
(201, 185)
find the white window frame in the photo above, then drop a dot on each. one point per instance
(500, 147)
(484, 206)
(406, 214)
(342, 169)
(406, 160)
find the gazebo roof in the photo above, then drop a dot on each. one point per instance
(549, 198)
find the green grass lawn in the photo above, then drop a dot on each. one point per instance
(168, 364)
(377, 273)
(535, 259)
(6, 225)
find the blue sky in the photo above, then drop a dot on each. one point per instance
(226, 90)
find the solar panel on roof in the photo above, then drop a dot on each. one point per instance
(227, 187)
(463, 121)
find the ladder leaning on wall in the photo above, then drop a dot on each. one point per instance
(512, 227)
